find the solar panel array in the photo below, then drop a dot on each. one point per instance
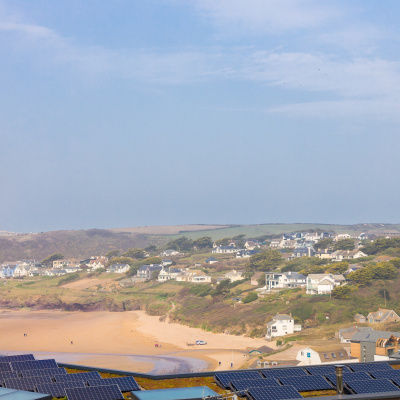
(282, 372)
(44, 372)
(372, 386)
(80, 376)
(325, 369)
(225, 378)
(307, 383)
(8, 375)
(352, 376)
(28, 384)
(110, 392)
(36, 364)
(369, 367)
(386, 374)
(241, 385)
(57, 389)
(274, 393)
(21, 357)
(5, 366)
(125, 384)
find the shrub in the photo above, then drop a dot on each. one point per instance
(69, 278)
(250, 297)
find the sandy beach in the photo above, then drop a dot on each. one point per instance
(125, 341)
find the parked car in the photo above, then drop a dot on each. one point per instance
(200, 342)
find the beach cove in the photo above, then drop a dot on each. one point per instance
(131, 341)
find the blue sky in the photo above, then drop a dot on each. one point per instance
(158, 112)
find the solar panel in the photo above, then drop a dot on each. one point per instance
(8, 375)
(125, 383)
(241, 385)
(349, 377)
(44, 372)
(282, 372)
(26, 383)
(325, 369)
(372, 386)
(80, 376)
(386, 374)
(110, 392)
(307, 383)
(37, 364)
(57, 389)
(368, 367)
(5, 367)
(274, 393)
(225, 378)
(20, 357)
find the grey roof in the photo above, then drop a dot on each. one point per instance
(372, 336)
(294, 275)
(150, 268)
(282, 317)
(211, 259)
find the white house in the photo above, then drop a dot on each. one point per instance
(340, 255)
(167, 274)
(323, 283)
(118, 268)
(170, 252)
(281, 325)
(322, 355)
(284, 280)
(234, 276)
(193, 277)
(224, 249)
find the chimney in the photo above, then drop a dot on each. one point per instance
(339, 378)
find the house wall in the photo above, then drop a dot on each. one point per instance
(355, 350)
(308, 356)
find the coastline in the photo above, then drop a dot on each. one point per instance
(125, 341)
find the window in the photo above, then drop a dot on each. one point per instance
(333, 355)
(302, 353)
(326, 356)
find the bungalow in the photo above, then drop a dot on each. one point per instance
(169, 253)
(340, 255)
(224, 249)
(345, 334)
(360, 318)
(211, 260)
(118, 268)
(312, 355)
(167, 274)
(246, 253)
(193, 277)
(323, 283)
(383, 316)
(234, 276)
(281, 325)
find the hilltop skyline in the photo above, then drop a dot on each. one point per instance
(215, 112)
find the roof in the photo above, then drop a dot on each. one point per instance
(282, 317)
(381, 314)
(12, 394)
(294, 275)
(197, 392)
(372, 336)
(211, 259)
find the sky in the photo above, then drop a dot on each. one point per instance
(163, 112)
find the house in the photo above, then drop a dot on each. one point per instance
(312, 237)
(341, 236)
(234, 276)
(345, 334)
(255, 278)
(323, 283)
(246, 253)
(353, 268)
(281, 325)
(323, 254)
(94, 264)
(284, 280)
(193, 277)
(167, 274)
(374, 345)
(211, 260)
(340, 255)
(165, 263)
(118, 268)
(275, 243)
(225, 249)
(251, 245)
(70, 262)
(146, 271)
(329, 354)
(169, 253)
(303, 252)
(360, 318)
(383, 316)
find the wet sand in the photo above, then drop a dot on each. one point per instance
(123, 341)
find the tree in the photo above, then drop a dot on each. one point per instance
(265, 261)
(342, 292)
(151, 260)
(203, 242)
(384, 294)
(223, 242)
(222, 288)
(182, 244)
(250, 297)
(112, 254)
(323, 244)
(395, 262)
(384, 270)
(344, 244)
(361, 277)
(151, 248)
(135, 253)
(380, 245)
(261, 280)
(121, 260)
(48, 261)
(338, 268)
(154, 275)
